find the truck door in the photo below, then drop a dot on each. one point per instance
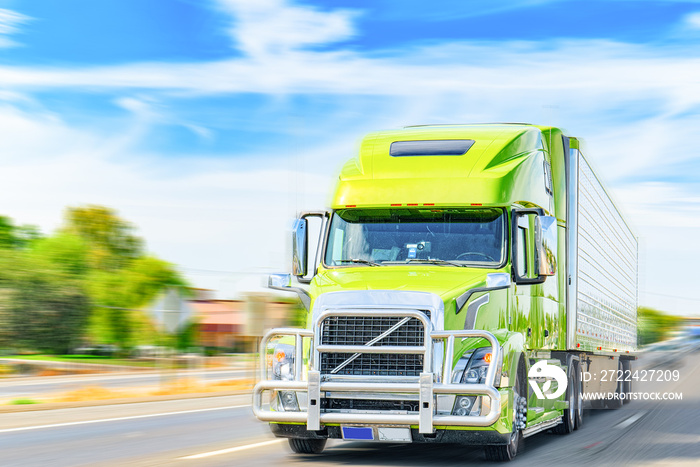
(529, 308)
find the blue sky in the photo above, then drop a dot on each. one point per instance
(210, 123)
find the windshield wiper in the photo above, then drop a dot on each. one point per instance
(443, 262)
(358, 261)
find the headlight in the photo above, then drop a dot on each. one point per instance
(283, 369)
(476, 368)
(283, 362)
(473, 372)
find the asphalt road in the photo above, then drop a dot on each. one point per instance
(221, 431)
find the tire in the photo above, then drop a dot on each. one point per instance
(569, 419)
(616, 403)
(579, 396)
(307, 446)
(507, 452)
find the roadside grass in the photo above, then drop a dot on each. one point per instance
(189, 385)
(24, 402)
(92, 393)
(175, 387)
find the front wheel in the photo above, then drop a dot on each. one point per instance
(506, 452)
(307, 446)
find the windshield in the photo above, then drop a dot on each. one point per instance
(451, 236)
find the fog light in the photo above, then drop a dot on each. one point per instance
(463, 404)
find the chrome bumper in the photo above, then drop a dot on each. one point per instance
(425, 388)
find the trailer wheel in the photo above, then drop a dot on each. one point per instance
(307, 446)
(507, 452)
(569, 421)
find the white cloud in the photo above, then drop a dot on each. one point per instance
(9, 24)
(10, 20)
(273, 27)
(692, 20)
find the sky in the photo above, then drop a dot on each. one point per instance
(210, 123)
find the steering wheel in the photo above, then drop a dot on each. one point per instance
(476, 253)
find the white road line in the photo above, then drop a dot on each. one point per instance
(630, 420)
(133, 417)
(229, 450)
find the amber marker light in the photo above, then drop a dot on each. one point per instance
(280, 355)
(487, 358)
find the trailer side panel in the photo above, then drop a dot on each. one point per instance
(602, 306)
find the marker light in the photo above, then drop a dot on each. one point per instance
(487, 358)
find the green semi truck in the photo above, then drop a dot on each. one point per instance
(470, 284)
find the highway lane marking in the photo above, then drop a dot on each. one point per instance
(627, 422)
(230, 450)
(116, 419)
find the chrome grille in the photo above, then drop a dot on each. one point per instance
(359, 330)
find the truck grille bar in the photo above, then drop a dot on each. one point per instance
(424, 387)
(382, 332)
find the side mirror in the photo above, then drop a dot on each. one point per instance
(314, 222)
(300, 251)
(534, 246)
(546, 244)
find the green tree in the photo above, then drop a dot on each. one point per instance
(64, 251)
(110, 238)
(93, 270)
(120, 295)
(654, 326)
(7, 233)
(17, 237)
(40, 308)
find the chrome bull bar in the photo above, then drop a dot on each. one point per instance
(426, 386)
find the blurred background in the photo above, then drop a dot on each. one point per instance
(153, 155)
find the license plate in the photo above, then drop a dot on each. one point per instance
(358, 433)
(394, 435)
